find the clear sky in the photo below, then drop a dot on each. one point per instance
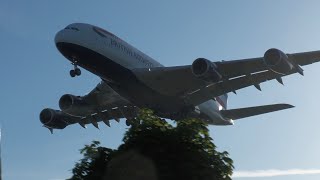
(34, 75)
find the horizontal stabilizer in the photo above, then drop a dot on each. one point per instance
(235, 114)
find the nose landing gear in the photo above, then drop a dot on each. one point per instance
(75, 71)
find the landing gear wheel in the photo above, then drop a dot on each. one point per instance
(77, 71)
(72, 73)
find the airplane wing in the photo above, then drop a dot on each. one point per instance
(171, 81)
(236, 68)
(102, 98)
(101, 104)
(104, 104)
(235, 74)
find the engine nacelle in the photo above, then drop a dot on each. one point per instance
(51, 118)
(205, 70)
(73, 105)
(277, 61)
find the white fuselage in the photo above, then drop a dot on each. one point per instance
(128, 57)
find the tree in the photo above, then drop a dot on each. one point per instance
(92, 165)
(154, 149)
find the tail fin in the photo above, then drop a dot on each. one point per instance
(235, 114)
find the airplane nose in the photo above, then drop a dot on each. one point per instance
(68, 34)
(59, 37)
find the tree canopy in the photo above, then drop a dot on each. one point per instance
(154, 149)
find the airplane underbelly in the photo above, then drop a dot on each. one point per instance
(121, 79)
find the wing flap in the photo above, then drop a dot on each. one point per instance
(235, 114)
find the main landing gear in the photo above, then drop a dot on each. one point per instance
(75, 71)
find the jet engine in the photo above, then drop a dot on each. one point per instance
(55, 119)
(71, 104)
(206, 70)
(277, 61)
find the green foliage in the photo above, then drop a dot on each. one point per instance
(154, 148)
(94, 161)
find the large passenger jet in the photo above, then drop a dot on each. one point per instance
(131, 80)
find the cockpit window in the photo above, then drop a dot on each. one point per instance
(72, 28)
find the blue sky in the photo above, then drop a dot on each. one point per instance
(34, 75)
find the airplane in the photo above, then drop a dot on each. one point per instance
(131, 80)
